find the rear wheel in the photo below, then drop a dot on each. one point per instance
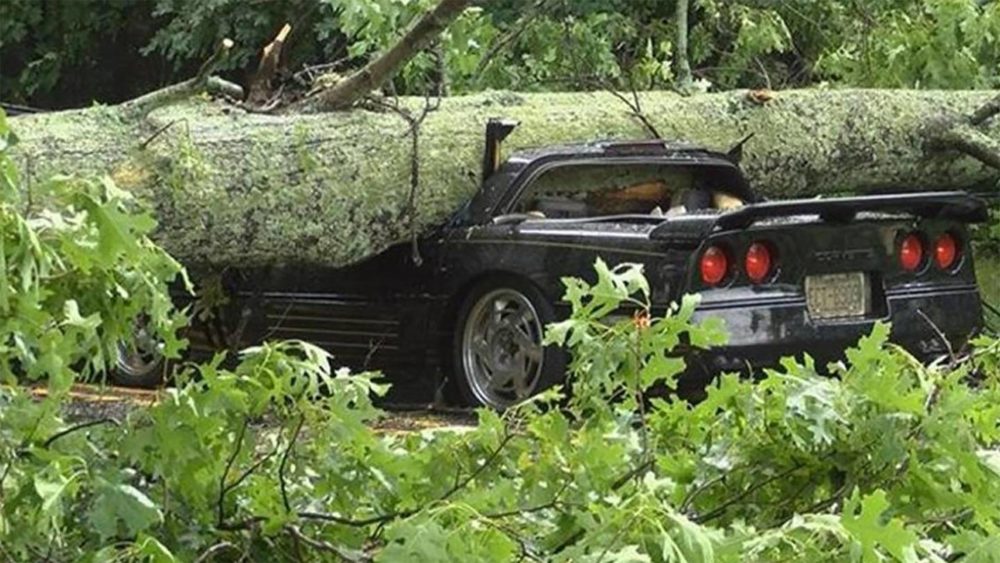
(499, 359)
(139, 363)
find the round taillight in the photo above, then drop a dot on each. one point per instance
(758, 262)
(714, 265)
(946, 251)
(911, 253)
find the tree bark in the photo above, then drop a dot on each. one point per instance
(685, 84)
(233, 188)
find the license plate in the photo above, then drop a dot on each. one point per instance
(834, 296)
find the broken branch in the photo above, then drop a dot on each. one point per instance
(220, 503)
(284, 463)
(201, 81)
(269, 59)
(345, 93)
(76, 427)
(978, 145)
(986, 112)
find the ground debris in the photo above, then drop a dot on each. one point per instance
(96, 401)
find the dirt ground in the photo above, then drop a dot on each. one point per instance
(92, 402)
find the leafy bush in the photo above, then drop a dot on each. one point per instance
(78, 272)
(276, 459)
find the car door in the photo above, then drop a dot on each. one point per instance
(370, 315)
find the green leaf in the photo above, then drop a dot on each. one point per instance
(119, 506)
(71, 312)
(114, 237)
(864, 518)
(50, 489)
(152, 550)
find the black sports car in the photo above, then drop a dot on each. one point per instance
(787, 277)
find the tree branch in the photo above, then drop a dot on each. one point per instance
(520, 26)
(636, 108)
(249, 471)
(721, 509)
(220, 504)
(284, 463)
(214, 550)
(414, 123)
(345, 93)
(684, 81)
(551, 503)
(322, 545)
(618, 483)
(175, 92)
(986, 112)
(270, 57)
(379, 519)
(971, 141)
(76, 427)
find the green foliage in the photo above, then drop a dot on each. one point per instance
(930, 44)
(526, 45)
(277, 459)
(194, 29)
(79, 271)
(70, 53)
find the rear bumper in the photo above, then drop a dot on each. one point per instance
(762, 331)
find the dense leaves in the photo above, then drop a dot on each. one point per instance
(56, 53)
(276, 458)
(79, 272)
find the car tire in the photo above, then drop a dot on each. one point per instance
(139, 363)
(498, 357)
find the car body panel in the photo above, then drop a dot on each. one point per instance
(396, 311)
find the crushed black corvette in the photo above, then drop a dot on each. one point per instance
(470, 300)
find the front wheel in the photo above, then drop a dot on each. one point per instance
(499, 359)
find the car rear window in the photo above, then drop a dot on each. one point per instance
(593, 190)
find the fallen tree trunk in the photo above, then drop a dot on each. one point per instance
(233, 188)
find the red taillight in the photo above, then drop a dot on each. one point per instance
(946, 251)
(911, 253)
(758, 262)
(714, 265)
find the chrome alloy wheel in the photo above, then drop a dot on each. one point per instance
(136, 362)
(502, 350)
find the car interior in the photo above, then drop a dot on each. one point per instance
(583, 191)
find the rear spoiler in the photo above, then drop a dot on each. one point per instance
(957, 206)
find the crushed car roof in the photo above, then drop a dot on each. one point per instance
(681, 150)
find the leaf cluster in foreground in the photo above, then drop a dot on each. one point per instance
(276, 458)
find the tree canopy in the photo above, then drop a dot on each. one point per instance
(64, 54)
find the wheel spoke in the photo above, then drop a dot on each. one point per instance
(502, 378)
(522, 339)
(520, 385)
(481, 349)
(524, 319)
